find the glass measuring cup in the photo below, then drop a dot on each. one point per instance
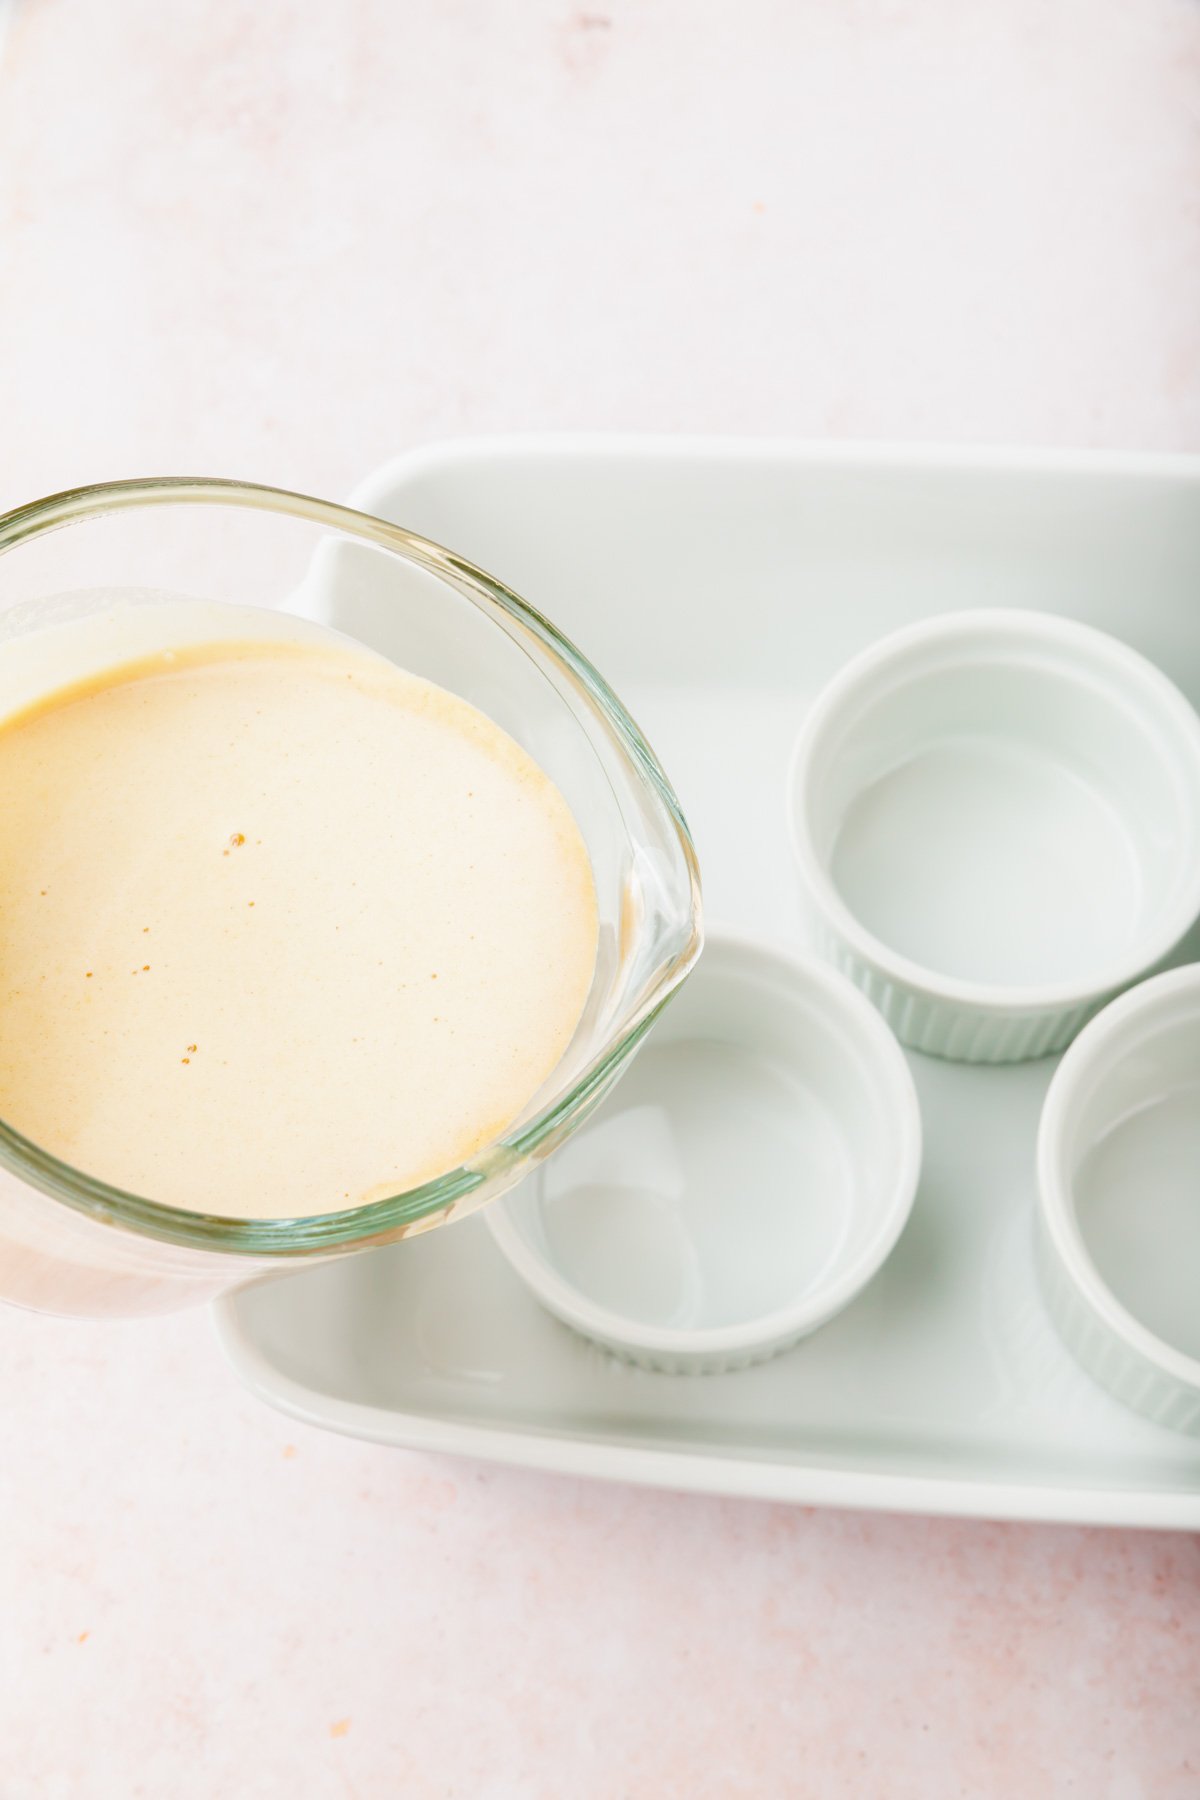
(72, 1244)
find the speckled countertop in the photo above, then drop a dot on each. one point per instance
(283, 242)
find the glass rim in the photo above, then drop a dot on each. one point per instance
(402, 1211)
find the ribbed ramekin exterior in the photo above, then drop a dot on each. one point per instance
(948, 1028)
(686, 1362)
(1107, 1358)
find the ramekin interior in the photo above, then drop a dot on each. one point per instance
(1118, 1156)
(750, 1175)
(1002, 806)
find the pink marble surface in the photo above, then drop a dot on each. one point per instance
(285, 241)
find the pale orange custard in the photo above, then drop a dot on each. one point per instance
(282, 929)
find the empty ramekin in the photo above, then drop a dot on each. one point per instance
(996, 820)
(1119, 1181)
(748, 1177)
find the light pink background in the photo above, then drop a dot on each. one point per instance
(283, 242)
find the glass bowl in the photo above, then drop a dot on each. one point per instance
(71, 1244)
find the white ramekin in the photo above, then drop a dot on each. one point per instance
(1119, 1185)
(996, 820)
(748, 1177)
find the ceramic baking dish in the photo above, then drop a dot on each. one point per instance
(721, 586)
